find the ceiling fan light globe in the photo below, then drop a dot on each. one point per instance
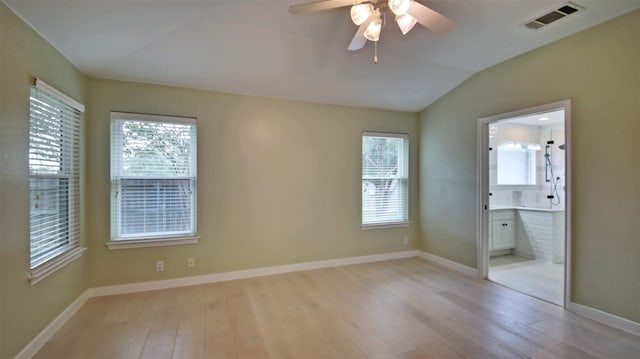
(406, 22)
(372, 33)
(399, 7)
(360, 13)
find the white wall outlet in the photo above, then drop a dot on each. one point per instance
(159, 266)
(405, 240)
(191, 262)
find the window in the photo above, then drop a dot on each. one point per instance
(153, 180)
(385, 179)
(54, 180)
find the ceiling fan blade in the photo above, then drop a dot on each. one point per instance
(430, 19)
(320, 6)
(359, 40)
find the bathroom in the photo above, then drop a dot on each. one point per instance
(527, 204)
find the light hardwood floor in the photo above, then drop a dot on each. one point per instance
(405, 308)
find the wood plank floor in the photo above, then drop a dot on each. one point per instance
(405, 308)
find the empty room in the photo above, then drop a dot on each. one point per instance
(328, 179)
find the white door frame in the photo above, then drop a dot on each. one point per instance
(483, 187)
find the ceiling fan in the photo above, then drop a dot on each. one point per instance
(369, 15)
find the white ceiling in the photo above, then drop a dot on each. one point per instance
(256, 47)
(553, 118)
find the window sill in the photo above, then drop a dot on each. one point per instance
(366, 227)
(44, 270)
(153, 242)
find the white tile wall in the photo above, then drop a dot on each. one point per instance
(533, 234)
(535, 195)
(540, 235)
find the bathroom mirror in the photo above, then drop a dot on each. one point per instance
(516, 164)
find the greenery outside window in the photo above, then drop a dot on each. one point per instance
(153, 180)
(385, 179)
(54, 180)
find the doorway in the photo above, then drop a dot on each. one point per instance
(524, 187)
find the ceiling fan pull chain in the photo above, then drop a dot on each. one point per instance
(375, 52)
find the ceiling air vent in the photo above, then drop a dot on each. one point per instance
(553, 16)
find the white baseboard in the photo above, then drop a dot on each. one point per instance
(45, 335)
(41, 339)
(461, 268)
(249, 273)
(604, 318)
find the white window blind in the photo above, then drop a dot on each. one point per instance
(153, 176)
(385, 178)
(54, 174)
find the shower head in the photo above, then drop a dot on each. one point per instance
(561, 147)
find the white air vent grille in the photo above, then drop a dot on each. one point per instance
(553, 16)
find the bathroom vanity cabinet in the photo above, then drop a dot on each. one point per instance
(502, 233)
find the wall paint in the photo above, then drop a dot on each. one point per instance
(26, 310)
(278, 182)
(598, 70)
(292, 146)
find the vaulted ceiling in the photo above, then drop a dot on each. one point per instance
(256, 47)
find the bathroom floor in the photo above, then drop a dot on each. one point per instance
(537, 278)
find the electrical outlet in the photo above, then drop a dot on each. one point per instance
(405, 240)
(159, 266)
(191, 262)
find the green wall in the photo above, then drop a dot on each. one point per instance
(598, 69)
(26, 310)
(278, 182)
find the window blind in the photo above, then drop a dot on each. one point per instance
(385, 175)
(153, 175)
(54, 174)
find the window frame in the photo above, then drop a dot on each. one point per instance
(146, 240)
(70, 153)
(405, 222)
